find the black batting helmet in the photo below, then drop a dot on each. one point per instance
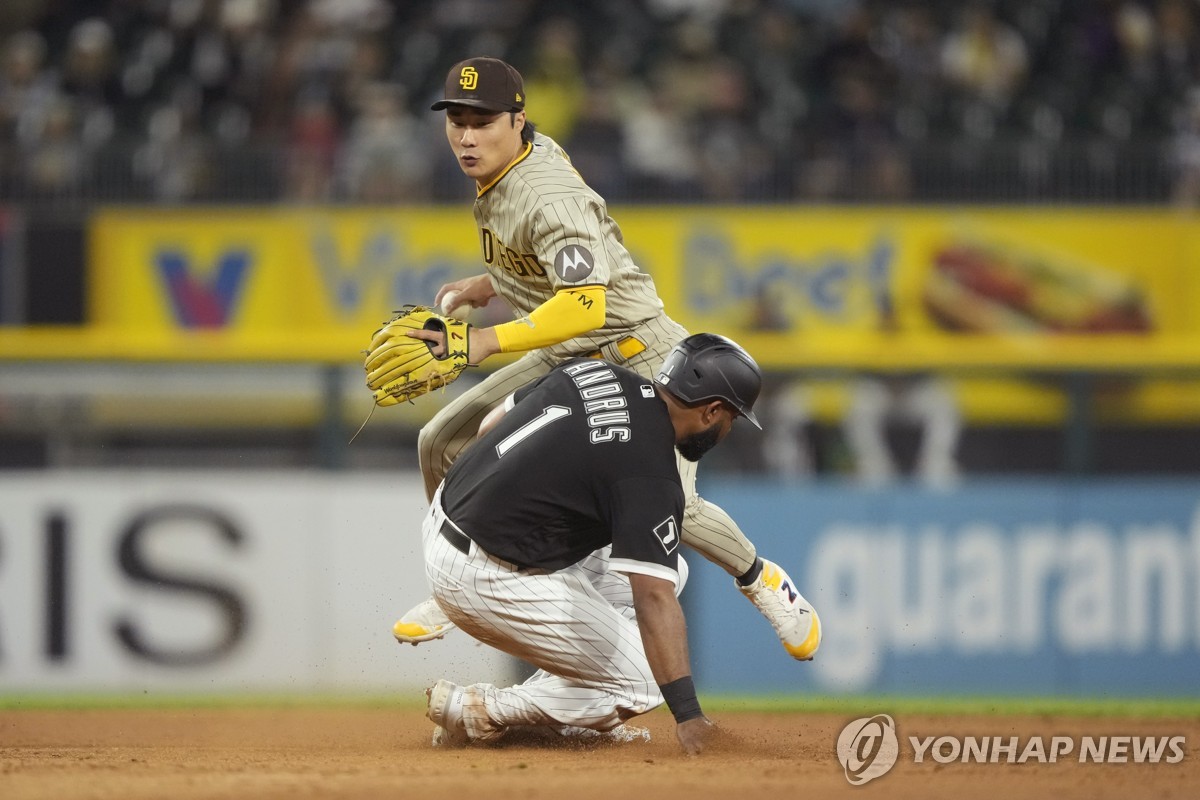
(706, 366)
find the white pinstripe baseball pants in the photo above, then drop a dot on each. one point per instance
(576, 624)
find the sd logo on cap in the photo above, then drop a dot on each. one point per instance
(486, 83)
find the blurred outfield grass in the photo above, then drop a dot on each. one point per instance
(1155, 708)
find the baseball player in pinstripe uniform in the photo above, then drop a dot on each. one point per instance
(572, 478)
(553, 253)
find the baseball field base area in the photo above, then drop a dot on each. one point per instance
(770, 747)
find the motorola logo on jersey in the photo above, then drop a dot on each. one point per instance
(667, 532)
(573, 263)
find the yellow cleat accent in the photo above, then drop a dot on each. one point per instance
(806, 649)
(412, 633)
(772, 576)
(422, 623)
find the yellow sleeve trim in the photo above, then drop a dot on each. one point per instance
(568, 314)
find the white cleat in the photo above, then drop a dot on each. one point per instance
(794, 619)
(558, 734)
(622, 734)
(460, 714)
(422, 623)
(445, 710)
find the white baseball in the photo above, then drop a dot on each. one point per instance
(452, 308)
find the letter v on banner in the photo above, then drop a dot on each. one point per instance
(199, 303)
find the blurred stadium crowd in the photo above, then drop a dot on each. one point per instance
(713, 100)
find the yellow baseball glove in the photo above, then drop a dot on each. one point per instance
(401, 368)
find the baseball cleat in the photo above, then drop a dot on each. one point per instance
(793, 618)
(422, 623)
(555, 734)
(622, 734)
(445, 709)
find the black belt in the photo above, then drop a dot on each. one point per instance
(457, 539)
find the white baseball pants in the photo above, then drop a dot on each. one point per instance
(575, 624)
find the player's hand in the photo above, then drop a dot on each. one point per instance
(436, 339)
(695, 734)
(475, 292)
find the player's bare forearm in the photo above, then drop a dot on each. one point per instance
(483, 344)
(664, 636)
(493, 418)
(663, 627)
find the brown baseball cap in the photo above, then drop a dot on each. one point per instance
(486, 83)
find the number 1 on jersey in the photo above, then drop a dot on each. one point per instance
(548, 415)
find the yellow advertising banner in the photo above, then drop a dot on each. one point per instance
(324, 273)
(802, 288)
(988, 292)
(824, 272)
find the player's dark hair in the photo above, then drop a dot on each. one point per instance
(526, 132)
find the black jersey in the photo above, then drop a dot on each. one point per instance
(585, 457)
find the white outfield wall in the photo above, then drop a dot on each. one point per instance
(217, 582)
(288, 582)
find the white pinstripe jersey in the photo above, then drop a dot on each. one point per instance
(543, 229)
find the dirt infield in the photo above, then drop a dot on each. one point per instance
(186, 754)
